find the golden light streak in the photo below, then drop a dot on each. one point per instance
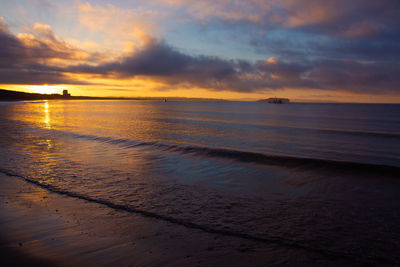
(46, 119)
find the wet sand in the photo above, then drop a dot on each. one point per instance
(43, 228)
(15, 257)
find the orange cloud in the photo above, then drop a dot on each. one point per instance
(41, 42)
(272, 60)
(118, 24)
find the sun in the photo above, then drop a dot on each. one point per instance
(46, 89)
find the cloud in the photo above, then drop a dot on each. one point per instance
(159, 61)
(206, 11)
(38, 43)
(345, 19)
(27, 58)
(39, 56)
(302, 29)
(342, 18)
(44, 3)
(118, 23)
(291, 45)
(35, 74)
(359, 77)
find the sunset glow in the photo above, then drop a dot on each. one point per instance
(303, 50)
(46, 89)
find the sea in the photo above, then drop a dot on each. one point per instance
(320, 178)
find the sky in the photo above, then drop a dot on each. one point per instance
(305, 50)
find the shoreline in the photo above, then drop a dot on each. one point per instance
(8, 95)
(54, 230)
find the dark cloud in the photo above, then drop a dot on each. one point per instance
(360, 77)
(31, 48)
(160, 61)
(34, 76)
(165, 64)
(346, 19)
(357, 29)
(20, 61)
(306, 48)
(11, 49)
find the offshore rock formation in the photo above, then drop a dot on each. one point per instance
(275, 100)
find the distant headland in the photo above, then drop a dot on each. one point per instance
(275, 100)
(8, 95)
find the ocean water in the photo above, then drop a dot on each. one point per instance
(320, 178)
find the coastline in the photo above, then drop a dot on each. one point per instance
(48, 229)
(8, 95)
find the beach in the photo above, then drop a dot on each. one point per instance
(41, 228)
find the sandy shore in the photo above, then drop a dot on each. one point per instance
(42, 228)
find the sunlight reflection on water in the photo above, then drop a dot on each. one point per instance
(46, 115)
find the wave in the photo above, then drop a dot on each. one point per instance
(188, 224)
(357, 133)
(281, 127)
(248, 157)
(240, 155)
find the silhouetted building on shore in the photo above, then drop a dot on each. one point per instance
(65, 93)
